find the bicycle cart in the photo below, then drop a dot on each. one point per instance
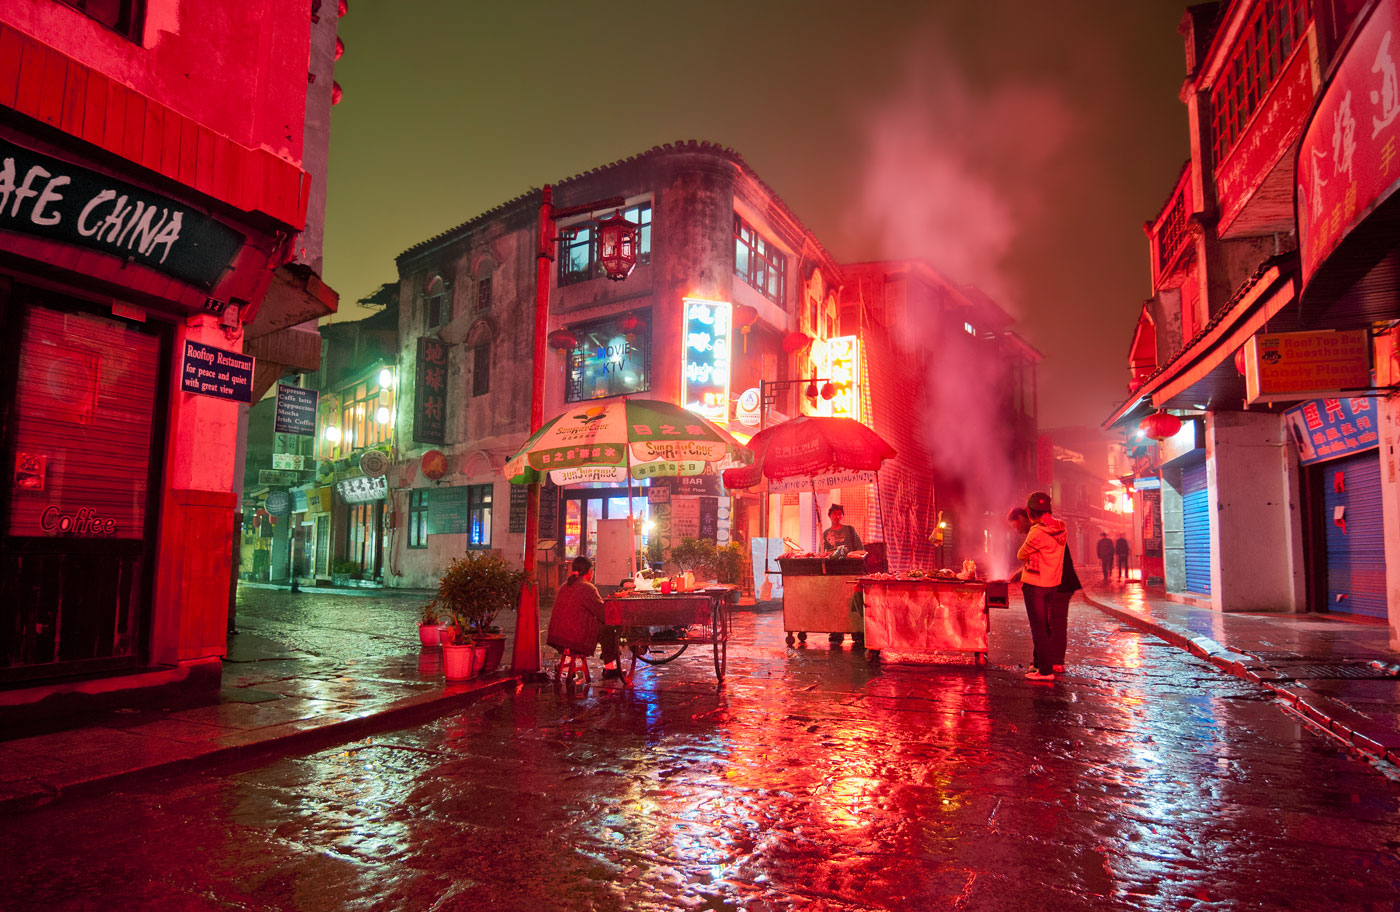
(927, 615)
(657, 629)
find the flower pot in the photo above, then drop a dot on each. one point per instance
(446, 634)
(458, 662)
(428, 634)
(480, 647)
(495, 651)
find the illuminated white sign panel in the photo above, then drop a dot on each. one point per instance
(843, 369)
(705, 358)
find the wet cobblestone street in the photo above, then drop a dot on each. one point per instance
(811, 780)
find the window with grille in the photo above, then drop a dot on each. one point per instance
(481, 369)
(578, 260)
(1272, 30)
(761, 264)
(437, 308)
(483, 293)
(418, 519)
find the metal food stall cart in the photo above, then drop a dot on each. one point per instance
(928, 614)
(817, 595)
(690, 619)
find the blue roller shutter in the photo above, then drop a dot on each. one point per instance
(1356, 556)
(1195, 508)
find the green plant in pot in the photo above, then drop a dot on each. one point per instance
(429, 626)
(475, 589)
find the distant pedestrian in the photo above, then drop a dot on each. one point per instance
(1106, 555)
(1043, 554)
(1122, 549)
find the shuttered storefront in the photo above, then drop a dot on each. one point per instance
(1195, 507)
(1355, 535)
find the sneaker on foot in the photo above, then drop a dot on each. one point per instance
(1037, 676)
(1058, 669)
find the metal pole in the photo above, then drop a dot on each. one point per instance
(525, 654)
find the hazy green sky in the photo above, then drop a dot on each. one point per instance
(1016, 144)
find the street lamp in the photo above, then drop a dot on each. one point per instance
(618, 257)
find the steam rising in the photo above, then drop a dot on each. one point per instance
(952, 178)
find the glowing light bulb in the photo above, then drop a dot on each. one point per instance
(386, 379)
(382, 416)
(332, 433)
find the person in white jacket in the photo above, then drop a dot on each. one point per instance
(1043, 557)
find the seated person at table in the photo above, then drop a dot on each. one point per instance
(576, 622)
(837, 535)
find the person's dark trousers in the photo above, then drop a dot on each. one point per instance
(1107, 567)
(1038, 612)
(1122, 566)
(1057, 617)
(608, 640)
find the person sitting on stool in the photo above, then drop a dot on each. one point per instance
(576, 621)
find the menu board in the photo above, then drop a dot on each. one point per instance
(519, 501)
(447, 511)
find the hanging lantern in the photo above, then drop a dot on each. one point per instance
(828, 391)
(795, 342)
(344, 7)
(617, 246)
(1239, 360)
(563, 341)
(335, 93)
(811, 390)
(1159, 425)
(339, 48)
(629, 326)
(744, 317)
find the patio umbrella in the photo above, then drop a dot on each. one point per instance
(625, 438)
(809, 447)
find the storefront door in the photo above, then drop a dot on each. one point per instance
(583, 509)
(1195, 508)
(85, 393)
(1355, 535)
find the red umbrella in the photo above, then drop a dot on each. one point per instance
(809, 446)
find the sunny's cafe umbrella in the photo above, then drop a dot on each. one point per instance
(636, 438)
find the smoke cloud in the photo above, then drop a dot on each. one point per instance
(952, 178)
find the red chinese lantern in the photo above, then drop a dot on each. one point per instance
(745, 315)
(795, 342)
(562, 341)
(1239, 360)
(339, 48)
(617, 246)
(629, 326)
(335, 93)
(344, 7)
(1159, 425)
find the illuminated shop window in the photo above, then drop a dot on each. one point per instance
(479, 516)
(1273, 29)
(608, 360)
(578, 260)
(761, 264)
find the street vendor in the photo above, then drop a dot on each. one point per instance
(576, 621)
(839, 536)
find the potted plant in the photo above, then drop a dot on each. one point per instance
(656, 553)
(344, 571)
(430, 626)
(475, 589)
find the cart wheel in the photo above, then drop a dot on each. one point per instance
(836, 639)
(791, 639)
(981, 658)
(721, 659)
(802, 635)
(872, 655)
(857, 640)
(659, 655)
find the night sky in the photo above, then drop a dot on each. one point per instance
(1018, 145)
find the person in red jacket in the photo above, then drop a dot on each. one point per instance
(1043, 557)
(576, 621)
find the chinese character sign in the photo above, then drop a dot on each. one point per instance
(705, 358)
(843, 370)
(430, 403)
(1327, 428)
(1349, 158)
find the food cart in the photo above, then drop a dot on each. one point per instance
(689, 619)
(817, 595)
(928, 613)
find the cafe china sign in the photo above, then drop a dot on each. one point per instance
(44, 196)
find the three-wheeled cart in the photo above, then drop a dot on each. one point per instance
(657, 628)
(817, 597)
(926, 615)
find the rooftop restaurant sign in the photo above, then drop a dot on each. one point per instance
(1286, 367)
(1349, 158)
(50, 198)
